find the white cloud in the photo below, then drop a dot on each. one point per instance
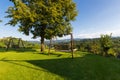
(115, 33)
(97, 34)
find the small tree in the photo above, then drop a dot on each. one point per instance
(95, 47)
(51, 33)
(106, 43)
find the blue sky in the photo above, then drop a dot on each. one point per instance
(95, 17)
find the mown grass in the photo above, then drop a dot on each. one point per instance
(32, 65)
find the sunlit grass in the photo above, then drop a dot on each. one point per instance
(32, 65)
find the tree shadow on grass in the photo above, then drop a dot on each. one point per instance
(15, 62)
(2, 50)
(70, 69)
(52, 53)
(88, 67)
(65, 68)
(61, 67)
(26, 50)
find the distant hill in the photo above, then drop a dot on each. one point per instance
(68, 40)
(34, 42)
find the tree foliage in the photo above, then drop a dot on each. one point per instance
(42, 18)
(95, 47)
(106, 43)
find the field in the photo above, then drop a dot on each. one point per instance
(32, 65)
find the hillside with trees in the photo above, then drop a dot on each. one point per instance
(16, 43)
(95, 45)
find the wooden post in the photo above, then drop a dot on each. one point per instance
(72, 45)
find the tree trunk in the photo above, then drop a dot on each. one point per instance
(72, 45)
(42, 44)
(42, 37)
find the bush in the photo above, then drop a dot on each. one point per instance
(112, 52)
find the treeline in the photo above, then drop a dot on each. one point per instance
(106, 45)
(16, 43)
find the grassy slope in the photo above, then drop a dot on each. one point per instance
(30, 65)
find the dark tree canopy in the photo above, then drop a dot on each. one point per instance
(42, 17)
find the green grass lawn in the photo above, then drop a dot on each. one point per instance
(31, 65)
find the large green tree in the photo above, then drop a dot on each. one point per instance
(39, 16)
